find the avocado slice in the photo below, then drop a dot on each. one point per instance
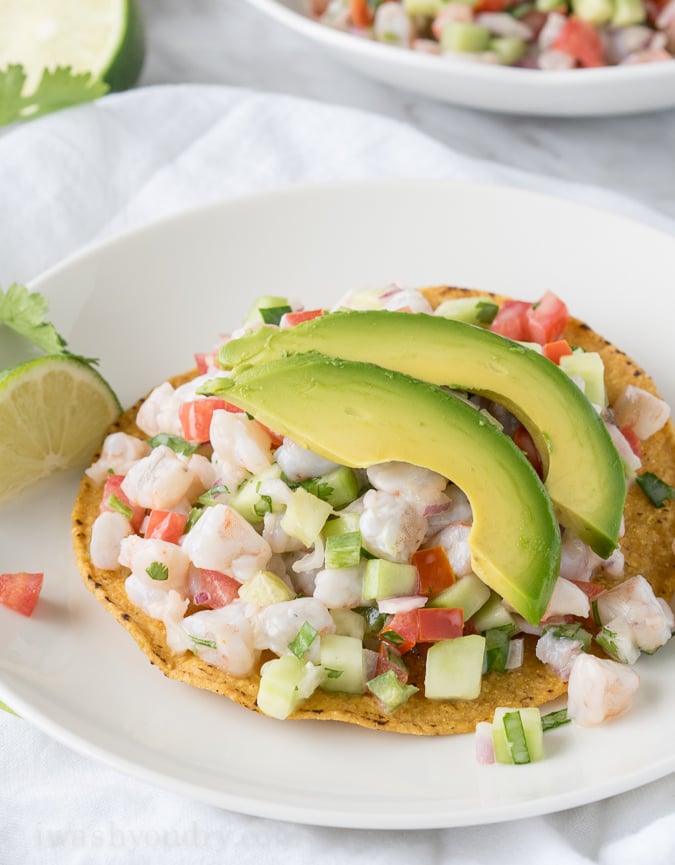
(583, 472)
(359, 414)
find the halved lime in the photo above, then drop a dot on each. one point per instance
(54, 411)
(103, 37)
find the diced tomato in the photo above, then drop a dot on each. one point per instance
(277, 440)
(361, 13)
(113, 487)
(555, 350)
(511, 320)
(629, 434)
(214, 589)
(547, 319)
(195, 417)
(165, 526)
(582, 41)
(523, 440)
(491, 5)
(389, 658)
(290, 319)
(20, 592)
(401, 631)
(434, 571)
(440, 623)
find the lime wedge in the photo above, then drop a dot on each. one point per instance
(103, 37)
(54, 411)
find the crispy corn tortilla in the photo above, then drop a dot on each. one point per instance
(646, 545)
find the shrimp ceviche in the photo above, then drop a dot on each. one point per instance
(534, 34)
(429, 511)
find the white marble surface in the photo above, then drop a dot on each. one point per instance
(230, 42)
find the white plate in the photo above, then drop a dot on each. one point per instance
(577, 92)
(143, 304)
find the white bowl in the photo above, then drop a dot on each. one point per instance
(576, 92)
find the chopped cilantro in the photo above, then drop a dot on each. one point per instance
(193, 517)
(116, 503)
(657, 491)
(176, 443)
(392, 637)
(157, 571)
(210, 497)
(303, 640)
(263, 506)
(333, 674)
(274, 314)
(486, 311)
(200, 641)
(554, 719)
(57, 88)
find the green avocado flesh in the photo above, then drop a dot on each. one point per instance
(358, 414)
(583, 472)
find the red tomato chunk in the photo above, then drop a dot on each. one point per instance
(195, 418)
(20, 592)
(165, 526)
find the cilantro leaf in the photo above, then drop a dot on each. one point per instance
(25, 312)
(157, 571)
(58, 88)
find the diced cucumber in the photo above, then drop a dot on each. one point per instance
(305, 516)
(348, 623)
(390, 691)
(497, 642)
(266, 301)
(469, 594)
(517, 735)
(424, 8)
(509, 49)
(493, 614)
(248, 502)
(343, 551)
(265, 588)
(587, 366)
(628, 12)
(342, 659)
(339, 487)
(594, 11)
(465, 37)
(285, 683)
(383, 579)
(472, 310)
(342, 525)
(454, 668)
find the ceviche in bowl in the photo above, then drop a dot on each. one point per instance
(485, 53)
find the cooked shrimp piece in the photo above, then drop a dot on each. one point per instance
(241, 447)
(150, 415)
(419, 486)
(558, 653)
(278, 625)
(643, 412)
(159, 480)
(599, 689)
(567, 600)
(455, 541)
(299, 463)
(107, 532)
(138, 554)
(169, 607)
(577, 559)
(224, 638)
(340, 587)
(276, 537)
(650, 618)
(119, 452)
(390, 526)
(222, 540)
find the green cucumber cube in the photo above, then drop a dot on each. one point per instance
(248, 502)
(465, 37)
(348, 623)
(469, 594)
(506, 746)
(390, 691)
(493, 614)
(340, 487)
(343, 551)
(305, 516)
(285, 683)
(342, 525)
(266, 301)
(342, 660)
(454, 669)
(383, 579)
(472, 310)
(588, 366)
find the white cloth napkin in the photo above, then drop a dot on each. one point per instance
(74, 178)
